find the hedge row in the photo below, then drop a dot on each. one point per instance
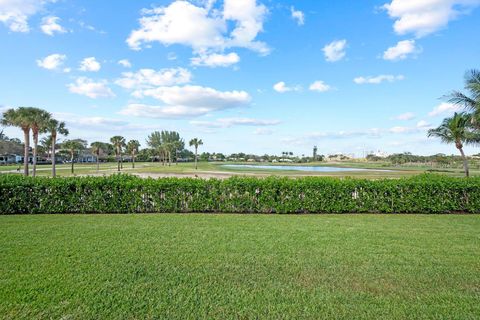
(128, 194)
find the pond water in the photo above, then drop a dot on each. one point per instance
(298, 168)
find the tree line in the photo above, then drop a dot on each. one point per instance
(164, 145)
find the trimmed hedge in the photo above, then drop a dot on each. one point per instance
(128, 194)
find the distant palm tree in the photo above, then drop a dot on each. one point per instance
(118, 143)
(195, 142)
(21, 118)
(470, 101)
(457, 130)
(132, 148)
(96, 148)
(55, 128)
(73, 147)
(39, 123)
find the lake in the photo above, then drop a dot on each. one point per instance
(299, 168)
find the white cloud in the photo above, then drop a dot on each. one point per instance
(15, 13)
(149, 78)
(52, 62)
(90, 88)
(282, 87)
(298, 16)
(405, 116)
(320, 86)
(214, 60)
(444, 108)
(230, 122)
(125, 63)
(401, 50)
(186, 101)
(423, 17)
(262, 131)
(335, 51)
(378, 79)
(51, 26)
(90, 64)
(203, 28)
(423, 124)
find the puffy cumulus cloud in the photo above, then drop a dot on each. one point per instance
(15, 13)
(298, 16)
(214, 60)
(230, 122)
(149, 78)
(204, 28)
(427, 16)
(50, 26)
(320, 86)
(282, 87)
(90, 64)
(405, 116)
(125, 63)
(186, 101)
(444, 108)
(378, 79)
(335, 51)
(401, 51)
(90, 88)
(53, 62)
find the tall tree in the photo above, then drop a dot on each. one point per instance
(119, 143)
(74, 147)
(132, 149)
(470, 100)
(98, 147)
(39, 124)
(21, 118)
(154, 141)
(457, 130)
(195, 142)
(55, 128)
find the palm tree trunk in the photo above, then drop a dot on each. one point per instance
(121, 161)
(133, 160)
(465, 162)
(26, 133)
(35, 146)
(196, 157)
(71, 160)
(54, 169)
(98, 165)
(118, 163)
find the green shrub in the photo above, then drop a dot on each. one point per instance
(128, 194)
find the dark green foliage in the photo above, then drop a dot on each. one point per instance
(128, 194)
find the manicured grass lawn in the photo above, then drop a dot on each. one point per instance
(240, 266)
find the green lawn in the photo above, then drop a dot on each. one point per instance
(240, 266)
(217, 169)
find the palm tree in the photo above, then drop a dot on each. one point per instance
(457, 130)
(21, 118)
(39, 123)
(195, 142)
(73, 147)
(55, 128)
(132, 148)
(119, 143)
(96, 148)
(470, 101)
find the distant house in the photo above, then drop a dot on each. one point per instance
(8, 159)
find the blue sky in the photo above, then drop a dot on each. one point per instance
(244, 75)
